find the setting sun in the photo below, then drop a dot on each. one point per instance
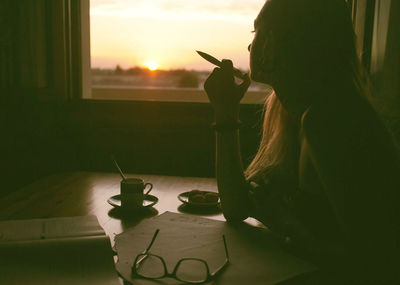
(152, 65)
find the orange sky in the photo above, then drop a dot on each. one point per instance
(167, 32)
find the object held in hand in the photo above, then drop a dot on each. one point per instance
(213, 60)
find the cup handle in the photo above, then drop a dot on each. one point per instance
(148, 191)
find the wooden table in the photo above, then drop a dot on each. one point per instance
(86, 193)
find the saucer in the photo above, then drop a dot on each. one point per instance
(184, 198)
(149, 200)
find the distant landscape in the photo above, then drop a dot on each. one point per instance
(139, 77)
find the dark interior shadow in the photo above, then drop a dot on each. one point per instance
(262, 239)
(256, 237)
(190, 209)
(131, 218)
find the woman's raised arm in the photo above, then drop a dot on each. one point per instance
(225, 96)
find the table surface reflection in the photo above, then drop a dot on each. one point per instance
(86, 193)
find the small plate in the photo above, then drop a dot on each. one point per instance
(184, 198)
(149, 200)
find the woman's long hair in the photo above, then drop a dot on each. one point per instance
(278, 146)
(319, 36)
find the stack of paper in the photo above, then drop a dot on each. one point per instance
(73, 250)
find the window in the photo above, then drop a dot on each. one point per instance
(145, 50)
(377, 29)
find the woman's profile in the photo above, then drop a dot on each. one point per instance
(326, 173)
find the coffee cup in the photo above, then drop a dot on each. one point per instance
(132, 192)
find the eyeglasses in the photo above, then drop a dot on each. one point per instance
(189, 270)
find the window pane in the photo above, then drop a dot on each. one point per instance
(142, 45)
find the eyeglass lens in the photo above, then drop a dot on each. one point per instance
(190, 270)
(150, 267)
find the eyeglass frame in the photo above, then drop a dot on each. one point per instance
(146, 253)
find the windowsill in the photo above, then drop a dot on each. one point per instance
(166, 95)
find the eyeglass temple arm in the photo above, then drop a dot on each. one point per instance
(152, 241)
(219, 269)
(148, 248)
(226, 247)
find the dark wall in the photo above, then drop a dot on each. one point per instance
(151, 137)
(32, 138)
(31, 57)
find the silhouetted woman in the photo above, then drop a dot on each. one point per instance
(326, 171)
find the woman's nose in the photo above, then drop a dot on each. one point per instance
(249, 47)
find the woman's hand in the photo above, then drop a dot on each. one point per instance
(224, 93)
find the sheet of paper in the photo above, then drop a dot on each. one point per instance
(255, 255)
